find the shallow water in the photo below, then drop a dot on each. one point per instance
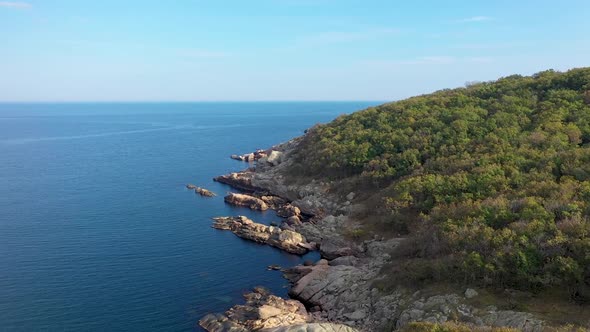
(97, 231)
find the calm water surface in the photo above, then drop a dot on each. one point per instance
(97, 231)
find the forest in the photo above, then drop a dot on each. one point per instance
(490, 182)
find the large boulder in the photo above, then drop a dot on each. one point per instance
(252, 202)
(288, 210)
(274, 158)
(331, 249)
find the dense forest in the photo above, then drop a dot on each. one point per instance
(491, 182)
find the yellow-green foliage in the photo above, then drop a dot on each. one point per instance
(451, 327)
(496, 176)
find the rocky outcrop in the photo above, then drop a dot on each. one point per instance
(340, 287)
(191, 186)
(204, 192)
(245, 228)
(443, 308)
(272, 157)
(262, 311)
(274, 202)
(313, 327)
(250, 157)
(239, 180)
(252, 202)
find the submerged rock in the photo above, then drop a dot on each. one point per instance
(252, 202)
(245, 228)
(191, 186)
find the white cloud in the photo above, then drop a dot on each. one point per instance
(474, 19)
(15, 4)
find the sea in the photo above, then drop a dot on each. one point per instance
(97, 229)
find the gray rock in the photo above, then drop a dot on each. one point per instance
(313, 327)
(344, 260)
(471, 293)
(331, 249)
(357, 315)
(274, 158)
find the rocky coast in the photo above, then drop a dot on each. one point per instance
(338, 292)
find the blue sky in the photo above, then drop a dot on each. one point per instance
(183, 50)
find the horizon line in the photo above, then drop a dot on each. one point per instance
(182, 101)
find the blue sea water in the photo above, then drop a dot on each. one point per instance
(97, 230)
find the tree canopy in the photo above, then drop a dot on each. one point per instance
(496, 174)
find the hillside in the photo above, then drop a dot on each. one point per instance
(491, 182)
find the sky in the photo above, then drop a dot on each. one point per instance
(269, 50)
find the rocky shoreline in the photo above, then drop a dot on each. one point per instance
(338, 289)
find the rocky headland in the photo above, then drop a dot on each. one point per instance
(338, 292)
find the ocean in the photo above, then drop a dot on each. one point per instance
(97, 229)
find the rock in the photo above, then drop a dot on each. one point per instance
(204, 192)
(274, 267)
(311, 246)
(220, 323)
(322, 262)
(261, 311)
(350, 196)
(293, 220)
(274, 202)
(250, 157)
(313, 327)
(357, 315)
(308, 262)
(266, 311)
(288, 210)
(237, 157)
(471, 293)
(310, 205)
(519, 320)
(252, 202)
(245, 228)
(191, 186)
(344, 260)
(239, 180)
(274, 158)
(330, 249)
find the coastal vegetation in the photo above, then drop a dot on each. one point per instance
(490, 182)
